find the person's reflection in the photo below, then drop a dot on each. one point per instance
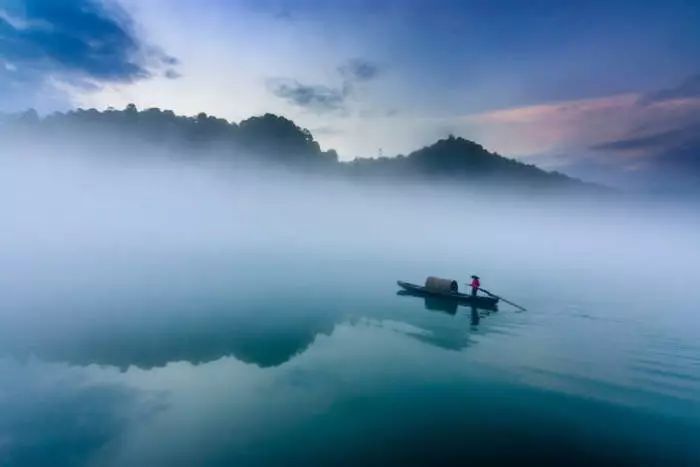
(475, 316)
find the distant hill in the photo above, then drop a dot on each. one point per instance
(268, 138)
(458, 159)
(272, 139)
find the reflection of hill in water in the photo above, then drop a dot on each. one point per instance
(263, 336)
(254, 332)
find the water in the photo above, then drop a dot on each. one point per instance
(308, 357)
(167, 316)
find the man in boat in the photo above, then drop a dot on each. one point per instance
(475, 285)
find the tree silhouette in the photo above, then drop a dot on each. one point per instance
(277, 140)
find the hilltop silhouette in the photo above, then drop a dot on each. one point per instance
(458, 159)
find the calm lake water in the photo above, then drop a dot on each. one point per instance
(221, 358)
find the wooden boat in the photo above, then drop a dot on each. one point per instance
(488, 303)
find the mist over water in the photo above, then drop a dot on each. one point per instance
(157, 311)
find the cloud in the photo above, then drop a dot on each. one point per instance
(172, 74)
(672, 123)
(671, 157)
(22, 24)
(653, 141)
(320, 98)
(169, 60)
(657, 144)
(551, 128)
(358, 69)
(690, 88)
(616, 122)
(82, 412)
(317, 98)
(74, 41)
(617, 139)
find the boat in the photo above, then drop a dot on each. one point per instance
(435, 287)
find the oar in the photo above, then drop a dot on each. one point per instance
(500, 298)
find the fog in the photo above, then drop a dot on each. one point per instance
(72, 217)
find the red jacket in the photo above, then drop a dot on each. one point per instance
(476, 283)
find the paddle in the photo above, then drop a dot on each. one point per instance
(500, 298)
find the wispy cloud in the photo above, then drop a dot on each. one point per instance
(318, 98)
(172, 74)
(22, 24)
(321, 98)
(672, 122)
(689, 88)
(652, 141)
(357, 69)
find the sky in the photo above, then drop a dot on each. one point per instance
(594, 85)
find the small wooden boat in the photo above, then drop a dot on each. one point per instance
(449, 292)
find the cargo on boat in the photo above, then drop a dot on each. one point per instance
(447, 288)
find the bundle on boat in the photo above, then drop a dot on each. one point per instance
(438, 284)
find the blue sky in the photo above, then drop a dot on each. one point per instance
(548, 81)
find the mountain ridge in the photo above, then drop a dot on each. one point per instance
(277, 140)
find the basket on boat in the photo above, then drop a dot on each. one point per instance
(437, 284)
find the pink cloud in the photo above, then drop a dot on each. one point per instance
(575, 126)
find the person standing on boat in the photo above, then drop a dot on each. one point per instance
(475, 285)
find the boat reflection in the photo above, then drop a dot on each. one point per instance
(448, 306)
(445, 304)
(441, 304)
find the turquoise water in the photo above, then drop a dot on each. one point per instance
(309, 357)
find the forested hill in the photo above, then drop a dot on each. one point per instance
(266, 138)
(460, 159)
(269, 139)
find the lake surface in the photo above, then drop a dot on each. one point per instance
(311, 358)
